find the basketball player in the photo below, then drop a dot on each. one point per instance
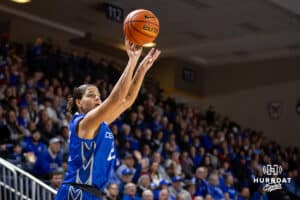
(92, 149)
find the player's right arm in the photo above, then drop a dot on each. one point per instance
(104, 112)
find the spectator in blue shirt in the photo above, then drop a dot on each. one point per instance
(201, 183)
(130, 192)
(17, 157)
(34, 143)
(48, 161)
(125, 178)
(260, 194)
(244, 194)
(214, 189)
(228, 188)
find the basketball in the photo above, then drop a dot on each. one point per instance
(141, 27)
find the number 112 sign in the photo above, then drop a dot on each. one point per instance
(114, 13)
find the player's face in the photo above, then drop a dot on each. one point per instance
(89, 100)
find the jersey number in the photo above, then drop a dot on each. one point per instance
(111, 154)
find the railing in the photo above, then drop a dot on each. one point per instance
(17, 184)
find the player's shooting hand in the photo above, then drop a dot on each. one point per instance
(133, 51)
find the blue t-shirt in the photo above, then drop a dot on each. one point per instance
(201, 188)
(46, 164)
(37, 148)
(231, 191)
(91, 161)
(259, 196)
(216, 192)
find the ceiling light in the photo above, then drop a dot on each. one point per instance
(151, 44)
(21, 1)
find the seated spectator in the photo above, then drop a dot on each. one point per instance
(198, 198)
(187, 164)
(244, 194)
(48, 161)
(127, 163)
(56, 179)
(12, 128)
(190, 186)
(161, 170)
(260, 194)
(24, 118)
(163, 185)
(112, 192)
(181, 196)
(214, 189)
(164, 195)
(34, 143)
(143, 184)
(17, 157)
(201, 183)
(147, 195)
(228, 188)
(154, 174)
(130, 192)
(177, 188)
(126, 177)
(293, 187)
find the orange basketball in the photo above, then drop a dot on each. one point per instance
(141, 27)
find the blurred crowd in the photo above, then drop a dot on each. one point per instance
(166, 150)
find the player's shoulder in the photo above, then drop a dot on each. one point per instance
(76, 116)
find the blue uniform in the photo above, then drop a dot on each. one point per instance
(91, 162)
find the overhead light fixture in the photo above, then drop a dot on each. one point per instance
(21, 1)
(148, 45)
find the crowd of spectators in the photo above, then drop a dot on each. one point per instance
(166, 150)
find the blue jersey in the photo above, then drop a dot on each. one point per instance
(37, 149)
(91, 161)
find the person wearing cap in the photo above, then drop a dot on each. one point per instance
(127, 163)
(163, 185)
(177, 188)
(48, 161)
(126, 177)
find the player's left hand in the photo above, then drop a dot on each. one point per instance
(150, 58)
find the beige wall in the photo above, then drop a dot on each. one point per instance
(243, 92)
(217, 80)
(163, 72)
(249, 108)
(237, 77)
